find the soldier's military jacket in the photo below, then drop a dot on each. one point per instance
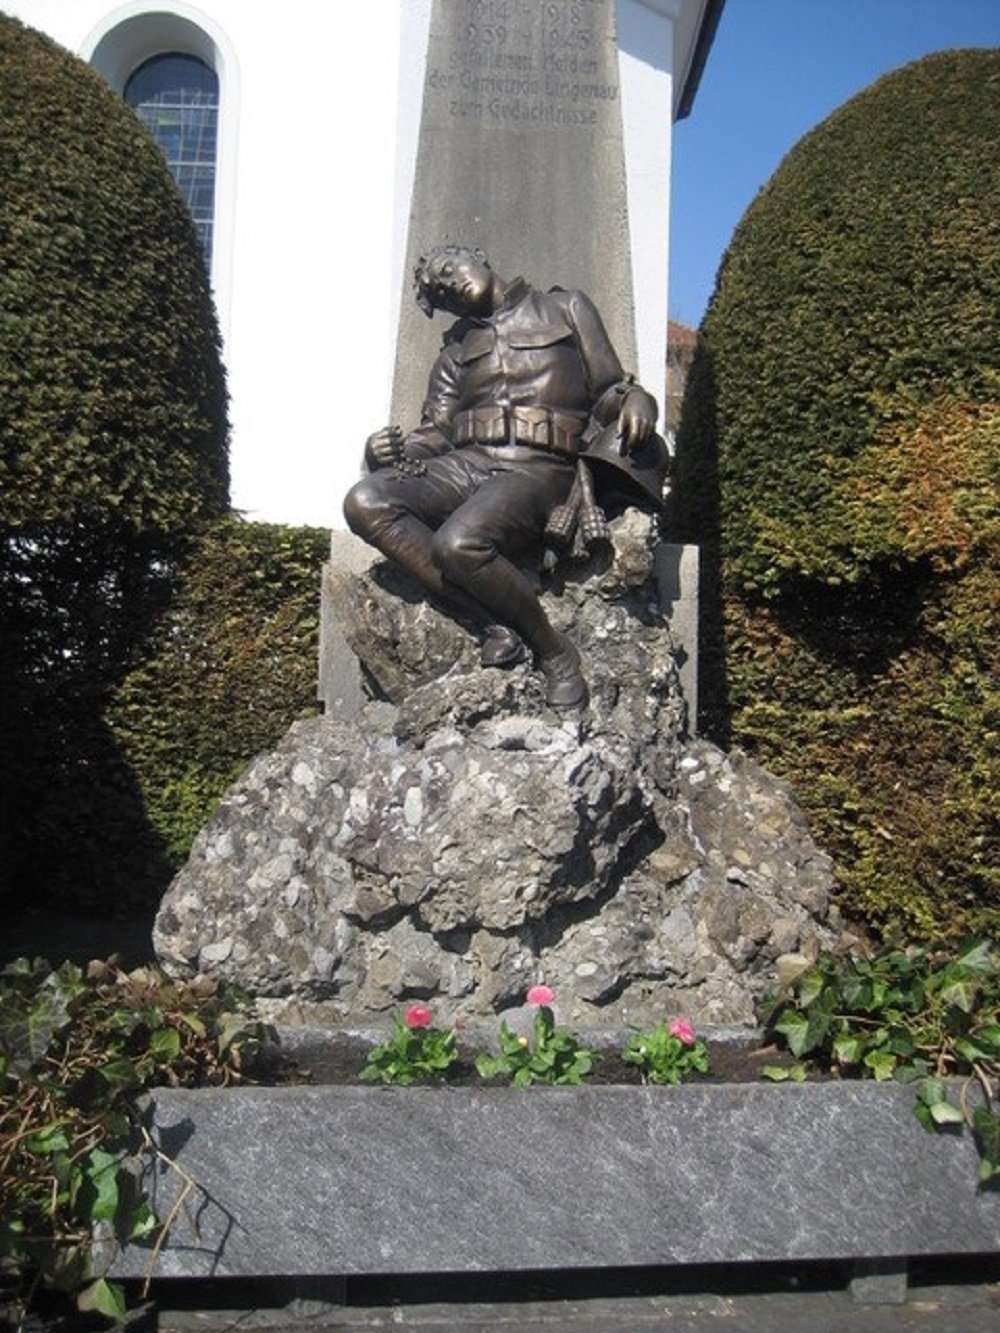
(538, 349)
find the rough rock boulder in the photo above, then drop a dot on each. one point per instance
(458, 840)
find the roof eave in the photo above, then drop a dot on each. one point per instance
(692, 75)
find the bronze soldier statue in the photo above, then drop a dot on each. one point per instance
(523, 381)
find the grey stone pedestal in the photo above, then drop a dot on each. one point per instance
(349, 1180)
(339, 683)
(676, 569)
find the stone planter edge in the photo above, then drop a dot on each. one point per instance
(342, 1180)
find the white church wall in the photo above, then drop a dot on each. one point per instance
(308, 313)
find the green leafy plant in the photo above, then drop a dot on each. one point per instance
(75, 1049)
(555, 1056)
(416, 1050)
(667, 1053)
(913, 1015)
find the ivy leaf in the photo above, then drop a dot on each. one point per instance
(986, 1126)
(901, 1043)
(848, 1049)
(139, 1222)
(104, 1297)
(795, 1030)
(962, 993)
(820, 1021)
(913, 1070)
(988, 1036)
(923, 1114)
(970, 1050)
(27, 1029)
(784, 1073)
(944, 1113)
(101, 1170)
(51, 1139)
(978, 957)
(120, 1075)
(856, 992)
(881, 1063)
(810, 986)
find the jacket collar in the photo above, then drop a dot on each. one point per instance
(517, 290)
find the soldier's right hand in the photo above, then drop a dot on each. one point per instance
(384, 447)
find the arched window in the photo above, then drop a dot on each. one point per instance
(177, 97)
(179, 70)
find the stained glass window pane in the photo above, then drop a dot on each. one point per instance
(177, 97)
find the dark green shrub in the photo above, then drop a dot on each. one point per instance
(110, 379)
(229, 667)
(116, 788)
(839, 458)
(113, 435)
(113, 432)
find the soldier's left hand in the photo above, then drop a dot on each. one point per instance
(637, 419)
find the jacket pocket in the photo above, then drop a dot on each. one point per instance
(543, 335)
(476, 344)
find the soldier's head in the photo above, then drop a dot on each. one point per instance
(455, 278)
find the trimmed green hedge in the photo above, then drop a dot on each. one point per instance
(229, 668)
(839, 458)
(113, 428)
(117, 783)
(150, 645)
(112, 390)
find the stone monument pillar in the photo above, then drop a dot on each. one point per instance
(521, 152)
(541, 133)
(580, 95)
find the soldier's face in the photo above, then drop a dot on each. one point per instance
(460, 283)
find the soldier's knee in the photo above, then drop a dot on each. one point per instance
(363, 506)
(459, 553)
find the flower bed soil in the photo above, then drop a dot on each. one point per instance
(339, 1058)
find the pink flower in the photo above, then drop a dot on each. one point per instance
(540, 995)
(417, 1016)
(681, 1029)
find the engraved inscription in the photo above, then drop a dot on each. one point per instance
(525, 62)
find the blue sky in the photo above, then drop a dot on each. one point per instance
(776, 68)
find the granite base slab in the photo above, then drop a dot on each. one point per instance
(351, 1180)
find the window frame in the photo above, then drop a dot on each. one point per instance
(136, 33)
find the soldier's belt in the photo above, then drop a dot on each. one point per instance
(543, 427)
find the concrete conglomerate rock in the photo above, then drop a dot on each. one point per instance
(462, 841)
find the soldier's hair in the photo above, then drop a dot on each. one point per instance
(424, 290)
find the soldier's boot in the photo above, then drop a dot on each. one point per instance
(498, 584)
(501, 647)
(565, 686)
